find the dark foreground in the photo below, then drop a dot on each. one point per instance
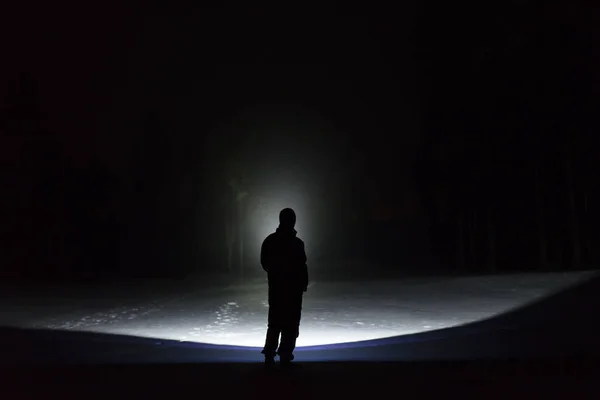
(549, 349)
(568, 378)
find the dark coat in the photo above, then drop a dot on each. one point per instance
(283, 257)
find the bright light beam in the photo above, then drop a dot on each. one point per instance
(333, 313)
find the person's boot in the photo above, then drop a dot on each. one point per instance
(285, 361)
(269, 360)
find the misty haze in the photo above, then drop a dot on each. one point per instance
(443, 182)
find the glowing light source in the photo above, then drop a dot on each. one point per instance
(263, 213)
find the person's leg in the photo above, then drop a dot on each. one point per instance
(290, 328)
(274, 328)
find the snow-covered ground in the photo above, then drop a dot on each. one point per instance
(333, 312)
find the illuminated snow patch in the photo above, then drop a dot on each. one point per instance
(235, 333)
(333, 313)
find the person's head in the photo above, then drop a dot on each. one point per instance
(287, 218)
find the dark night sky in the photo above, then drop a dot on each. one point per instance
(99, 74)
(229, 57)
(348, 102)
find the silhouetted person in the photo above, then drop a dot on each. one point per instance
(283, 257)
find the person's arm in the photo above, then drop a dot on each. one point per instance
(304, 269)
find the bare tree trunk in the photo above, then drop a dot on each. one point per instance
(574, 225)
(237, 184)
(473, 238)
(543, 244)
(230, 233)
(442, 205)
(241, 239)
(491, 242)
(461, 244)
(588, 239)
(229, 258)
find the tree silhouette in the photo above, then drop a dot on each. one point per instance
(235, 225)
